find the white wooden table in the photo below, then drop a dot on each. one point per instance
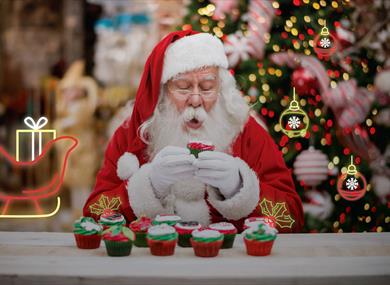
(52, 258)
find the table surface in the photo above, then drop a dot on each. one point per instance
(52, 258)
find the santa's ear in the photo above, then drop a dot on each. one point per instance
(127, 165)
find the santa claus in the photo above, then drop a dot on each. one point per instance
(187, 93)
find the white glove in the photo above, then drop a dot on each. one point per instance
(170, 165)
(219, 170)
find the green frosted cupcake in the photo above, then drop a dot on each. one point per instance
(111, 218)
(206, 243)
(162, 240)
(118, 240)
(87, 233)
(259, 239)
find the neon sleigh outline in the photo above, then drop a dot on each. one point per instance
(51, 189)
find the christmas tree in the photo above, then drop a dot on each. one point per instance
(333, 135)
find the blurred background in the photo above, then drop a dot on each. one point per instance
(78, 63)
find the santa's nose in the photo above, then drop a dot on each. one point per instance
(195, 100)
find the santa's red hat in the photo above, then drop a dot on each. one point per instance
(178, 52)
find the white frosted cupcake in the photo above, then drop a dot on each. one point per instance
(170, 220)
(206, 243)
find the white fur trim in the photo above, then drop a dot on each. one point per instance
(242, 203)
(127, 165)
(142, 198)
(193, 52)
(196, 210)
(190, 204)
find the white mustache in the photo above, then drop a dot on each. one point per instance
(198, 113)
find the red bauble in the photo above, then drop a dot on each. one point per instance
(304, 81)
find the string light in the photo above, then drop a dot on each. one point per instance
(316, 6)
(265, 87)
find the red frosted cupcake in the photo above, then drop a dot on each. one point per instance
(118, 240)
(206, 243)
(228, 230)
(185, 229)
(87, 233)
(196, 147)
(259, 239)
(140, 228)
(162, 240)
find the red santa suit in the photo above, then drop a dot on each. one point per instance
(123, 182)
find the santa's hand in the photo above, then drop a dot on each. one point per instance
(219, 170)
(170, 165)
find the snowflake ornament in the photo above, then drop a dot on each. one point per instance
(352, 183)
(325, 43)
(237, 49)
(294, 122)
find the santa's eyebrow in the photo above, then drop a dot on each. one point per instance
(208, 77)
(179, 77)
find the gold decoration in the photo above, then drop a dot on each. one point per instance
(278, 212)
(293, 121)
(105, 203)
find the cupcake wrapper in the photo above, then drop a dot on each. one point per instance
(140, 239)
(195, 152)
(258, 248)
(118, 248)
(88, 241)
(162, 248)
(184, 240)
(228, 240)
(206, 249)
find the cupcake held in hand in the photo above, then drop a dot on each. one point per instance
(118, 240)
(111, 218)
(206, 243)
(162, 240)
(196, 147)
(185, 229)
(140, 228)
(259, 239)
(228, 230)
(87, 233)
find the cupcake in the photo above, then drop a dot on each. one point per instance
(140, 228)
(255, 221)
(118, 240)
(111, 218)
(162, 240)
(196, 147)
(259, 240)
(87, 233)
(184, 229)
(170, 220)
(228, 230)
(206, 243)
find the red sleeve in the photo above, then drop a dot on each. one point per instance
(110, 191)
(278, 197)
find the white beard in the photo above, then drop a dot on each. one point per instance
(167, 127)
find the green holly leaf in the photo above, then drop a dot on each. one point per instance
(128, 233)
